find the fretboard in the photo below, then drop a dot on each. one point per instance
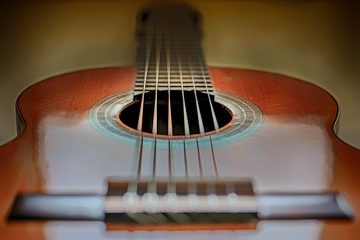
(169, 55)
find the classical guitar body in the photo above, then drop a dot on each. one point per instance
(121, 153)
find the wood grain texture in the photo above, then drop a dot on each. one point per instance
(70, 96)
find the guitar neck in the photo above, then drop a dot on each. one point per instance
(169, 56)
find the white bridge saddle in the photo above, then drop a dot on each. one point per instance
(175, 197)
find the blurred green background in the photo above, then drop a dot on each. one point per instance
(318, 41)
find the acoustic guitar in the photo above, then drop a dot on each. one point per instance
(172, 149)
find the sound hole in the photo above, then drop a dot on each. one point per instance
(130, 114)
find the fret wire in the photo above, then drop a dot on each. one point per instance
(176, 75)
(164, 84)
(183, 47)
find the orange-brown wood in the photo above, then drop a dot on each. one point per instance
(283, 101)
(72, 95)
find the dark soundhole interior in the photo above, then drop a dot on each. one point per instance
(129, 115)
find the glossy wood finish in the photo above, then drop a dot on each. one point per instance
(281, 96)
(295, 148)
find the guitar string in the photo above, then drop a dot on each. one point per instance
(138, 172)
(157, 64)
(154, 125)
(186, 121)
(149, 40)
(200, 121)
(201, 65)
(215, 122)
(168, 67)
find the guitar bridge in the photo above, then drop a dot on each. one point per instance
(197, 202)
(163, 205)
